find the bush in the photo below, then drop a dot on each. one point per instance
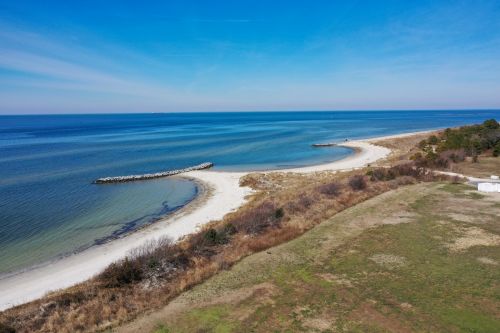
(433, 140)
(456, 155)
(300, 205)
(357, 182)
(122, 273)
(496, 150)
(156, 258)
(331, 189)
(259, 219)
(491, 124)
(66, 299)
(407, 169)
(4, 328)
(441, 162)
(214, 237)
(377, 174)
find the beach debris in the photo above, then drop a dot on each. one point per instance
(121, 179)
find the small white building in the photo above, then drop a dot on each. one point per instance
(488, 187)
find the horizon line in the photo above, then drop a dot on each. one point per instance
(243, 111)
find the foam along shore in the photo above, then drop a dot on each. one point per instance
(221, 194)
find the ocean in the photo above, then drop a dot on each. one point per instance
(50, 208)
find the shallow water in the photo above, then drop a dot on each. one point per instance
(48, 206)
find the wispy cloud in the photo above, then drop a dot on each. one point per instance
(226, 20)
(444, 53)
(48, 64)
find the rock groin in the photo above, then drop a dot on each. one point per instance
(318, 145)
(121, 179)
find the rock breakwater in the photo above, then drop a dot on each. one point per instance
(318, 145)
(130, 178)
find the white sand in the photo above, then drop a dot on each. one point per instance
(402, 135)
(223, 196)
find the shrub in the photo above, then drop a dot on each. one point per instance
(258, 219)
(155, 259)
(211, 236)
(441, 162)
(4, 328)
(279, 213)
(406, 169)
(331, 189)
(431, 156)
(122, 273)
(302, 204)
(456, 155)
(496, 150)
(214, 237)
(491, 124)
(357, 182)
(433, 140)
(66, 299)
(377, 174)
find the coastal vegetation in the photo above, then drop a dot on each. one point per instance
(421, 258)
(456, 145)
(285, 206)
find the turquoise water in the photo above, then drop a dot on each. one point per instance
(49, 207)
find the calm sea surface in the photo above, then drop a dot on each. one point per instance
(49, 207)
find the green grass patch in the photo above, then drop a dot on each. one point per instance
(395, 277)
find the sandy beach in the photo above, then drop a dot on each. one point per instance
(220, 195)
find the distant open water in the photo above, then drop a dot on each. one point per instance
(48, 206)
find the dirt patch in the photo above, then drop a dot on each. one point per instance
(336, 279)
(367, 314)
(388, 260)
(473, 236)
(461, 217)
(402, 217)
(487, 261)
(319, 323)
(406, 306)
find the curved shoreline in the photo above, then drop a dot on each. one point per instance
(221, 195)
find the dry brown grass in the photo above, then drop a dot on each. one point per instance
(485, 167)
(285, 206)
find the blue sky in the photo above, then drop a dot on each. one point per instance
(124, 56)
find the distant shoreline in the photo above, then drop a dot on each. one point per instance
(220, 193)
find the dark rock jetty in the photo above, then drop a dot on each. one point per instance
(318, 145)
(131, 178)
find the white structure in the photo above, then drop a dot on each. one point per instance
(488, 187)
(494, 177)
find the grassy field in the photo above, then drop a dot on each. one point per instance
(486, 167)
(418, 259)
